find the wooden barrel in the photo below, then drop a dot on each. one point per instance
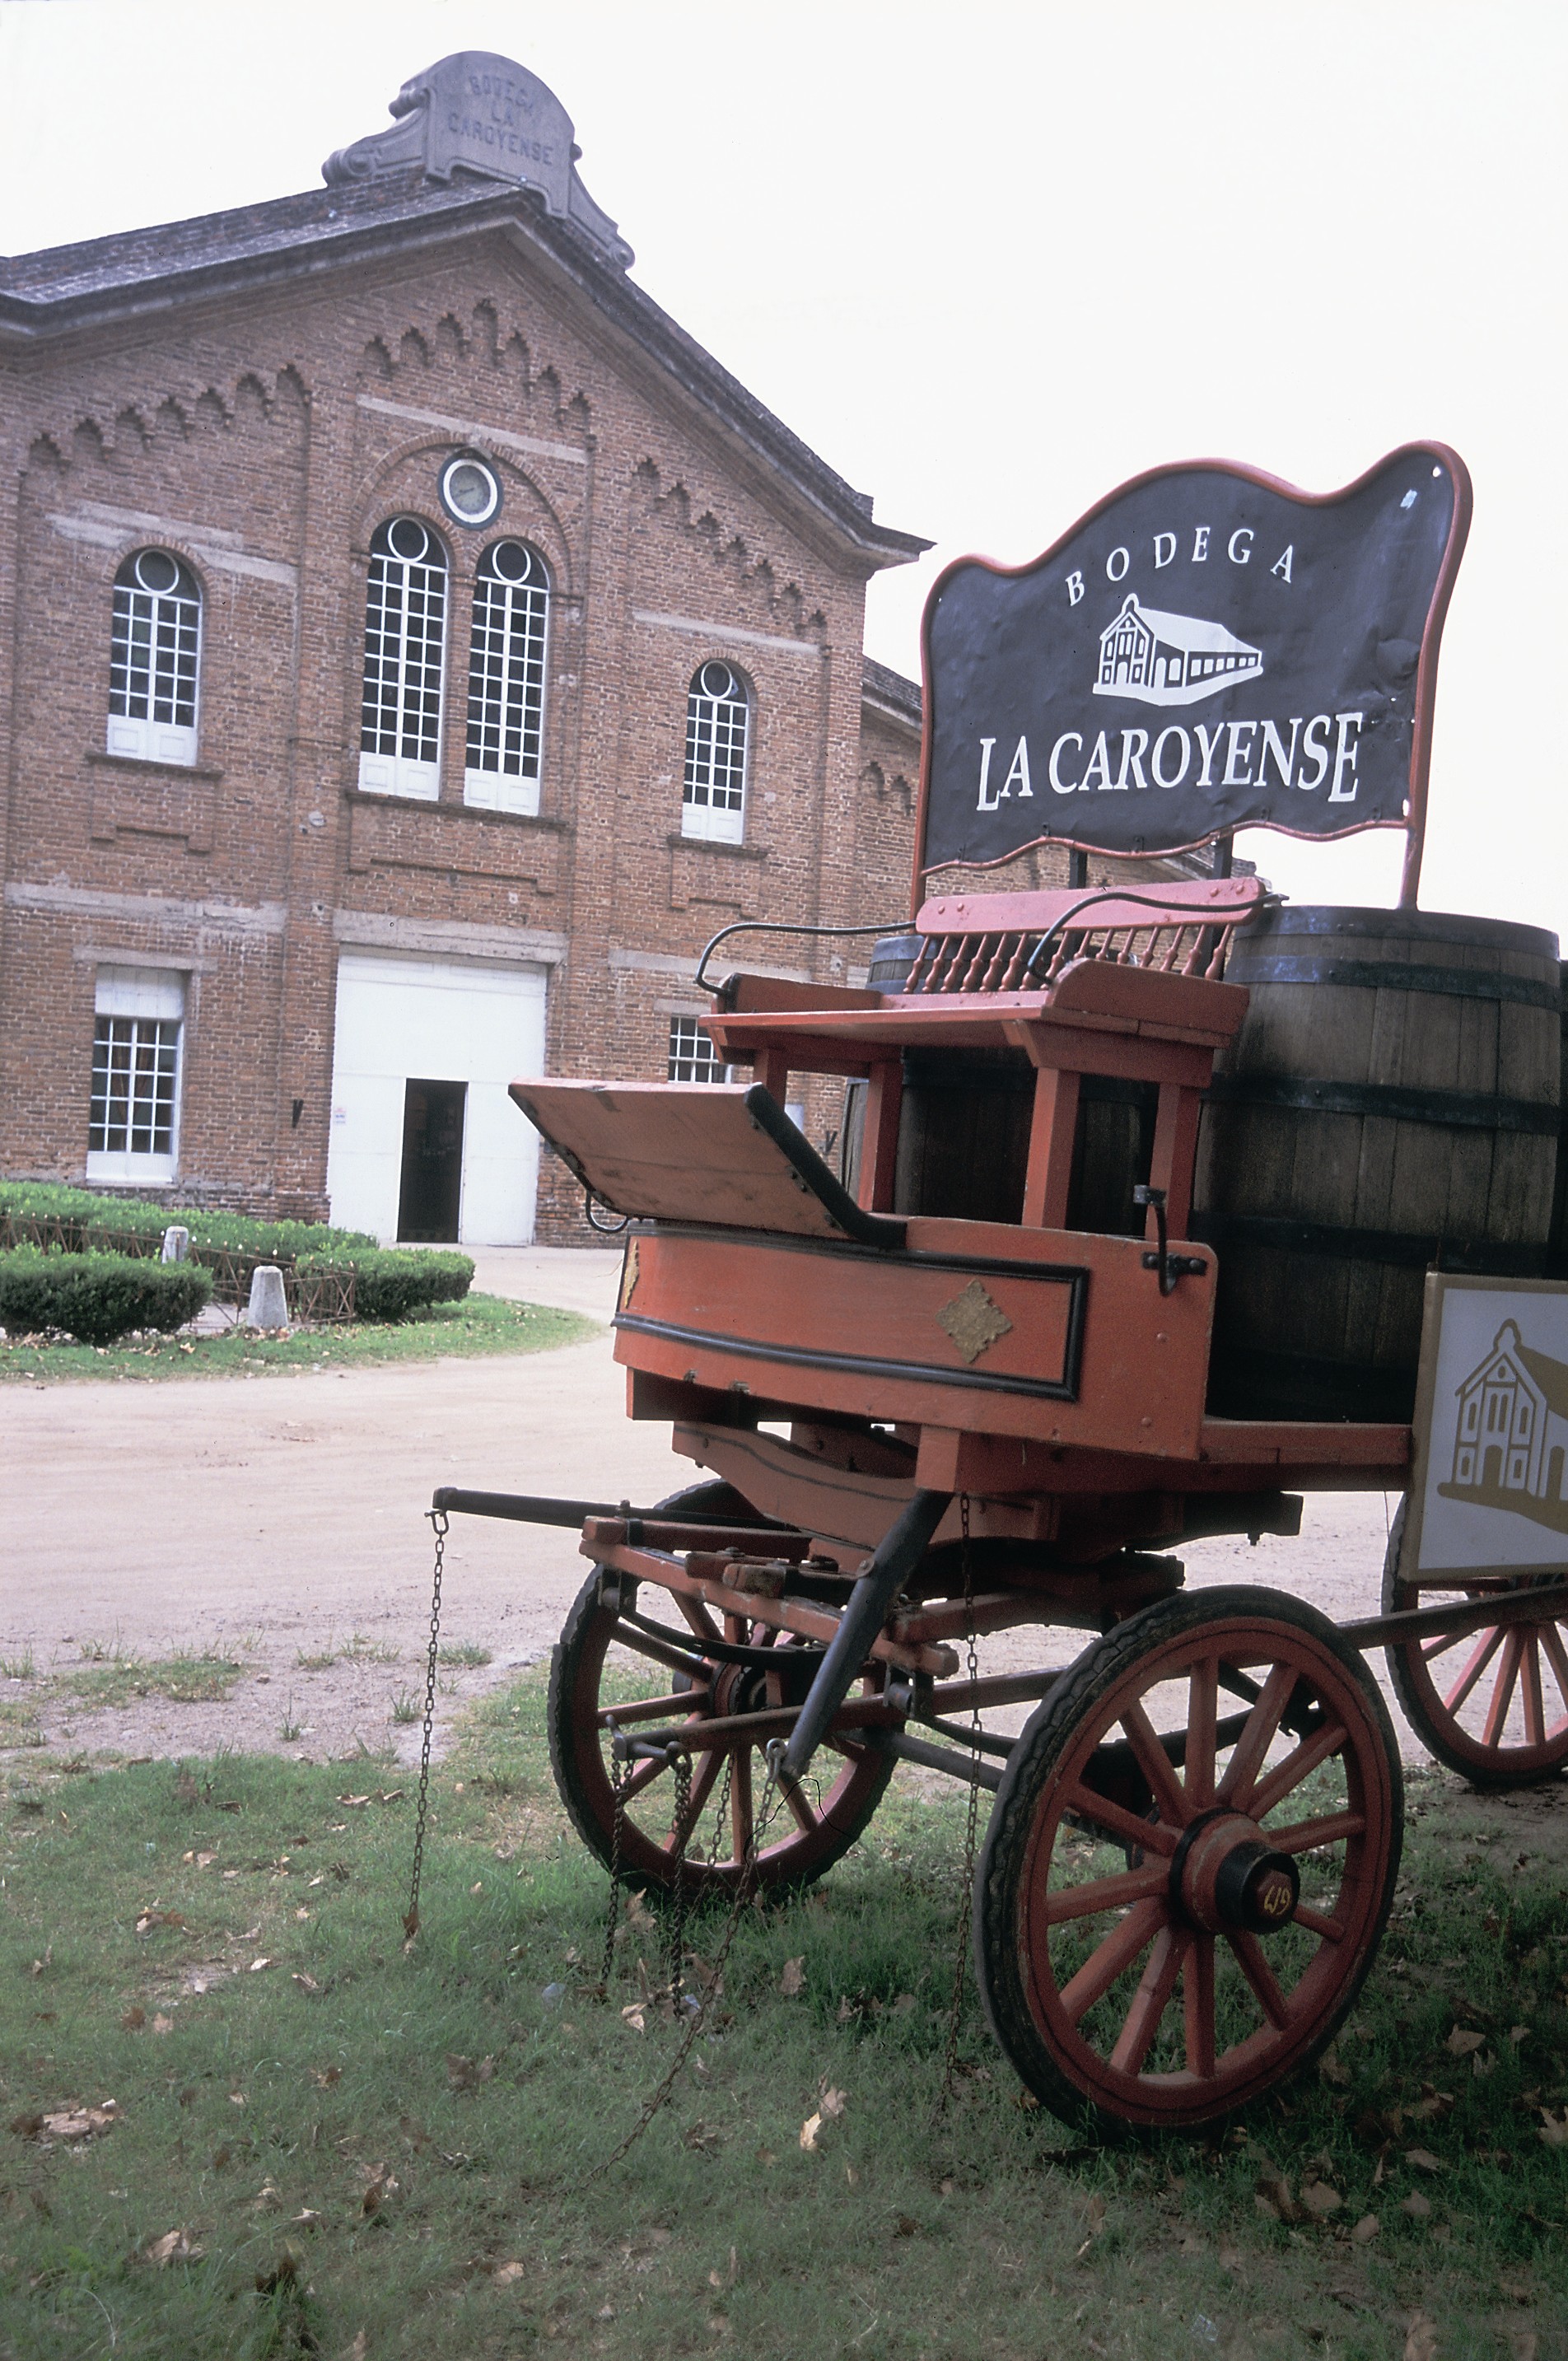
(1557, 1245)
(1391, 1104)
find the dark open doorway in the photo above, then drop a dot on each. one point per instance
(431, 1188)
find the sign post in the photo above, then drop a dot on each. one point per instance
(1208, 649)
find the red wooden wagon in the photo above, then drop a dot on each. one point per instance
(917, 1429)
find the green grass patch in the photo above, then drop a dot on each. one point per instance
(112, 1679)
(327, 2137)
(479, 1324)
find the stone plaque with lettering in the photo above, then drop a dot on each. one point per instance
(478, 113)
(1207, 650)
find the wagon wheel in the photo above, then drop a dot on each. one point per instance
(1492, 1704)
(1264, 1844)
(813, 1824)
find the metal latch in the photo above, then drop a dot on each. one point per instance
(1170, 1266)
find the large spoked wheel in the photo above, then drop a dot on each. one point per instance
(724, 1666)
(1492, 1704)
(1190, 1863)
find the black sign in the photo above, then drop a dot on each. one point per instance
(1207, 650)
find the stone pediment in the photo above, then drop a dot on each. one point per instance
(474, 112)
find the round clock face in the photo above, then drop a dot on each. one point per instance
(470, 492)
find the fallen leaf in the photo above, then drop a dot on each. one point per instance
(306, 1983)
(507, 2274)
(151, 1918)
(174, 2247)
(305, 2219)
(833, 2104)
(792, 1983)
(467, 2073)
(1333, 2069)
(1094, 2214)
(1273, 2197)
(162, 2024)
(1319, 2199)
(256, 1965)
(1555, 2128)
(1523, 2344)
(1518, 2033)
(1367, 2229)
(636, 2016)
(323, 2077)
(133, 2020)
(379, 2190)
(766, 2155)
(358, 2349)
(1462, 2041)
(1418, 2207)
(809, 2130)
(355, 1802)
(1420, 2338)
(79, 2123)
(1423, 2159)
(905, 2225)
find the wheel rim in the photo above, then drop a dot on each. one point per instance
(1156, 1994)
(808, 1826)
(1493, 1701)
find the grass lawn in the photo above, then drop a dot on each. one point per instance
(481, 1323)
(310, 2141)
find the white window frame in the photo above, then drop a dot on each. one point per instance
(165, 618)
(724, 821)
(509, 630)
(388, 769)
(691, 1056)
(142, 1002)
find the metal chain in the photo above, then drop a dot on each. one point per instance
(678, 1915)
(439, 1523)
(744, 1887)
(617, 1789)
(966, 1892)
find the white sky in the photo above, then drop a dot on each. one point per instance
(990, 260)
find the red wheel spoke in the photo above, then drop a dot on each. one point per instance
(1235, 1787)
(1503, 1692)
(1443, 1642)
(740, 1801)
(1151, 1999)
(1202, 1709)
(1298, 1763)
(698, 1615)
(1068, 1902)
(1331, 1929)
(1487, 1648)
(1198, 2006)
(1307, 1835)
(807, 1819)
(1156, 1765)
(1114, 1820)
(1534, 1707)
(1112, 1957)
(1552, 1640)
(652, 1767)
(680, 1834)
(1262, 1977)
(611, 1717)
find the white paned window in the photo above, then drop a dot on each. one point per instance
(693, 1058)
(718, 721)
(506, 678)
(155, 654)
(133, 1128)
(405, 641)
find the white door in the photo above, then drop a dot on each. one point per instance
(434, 1020)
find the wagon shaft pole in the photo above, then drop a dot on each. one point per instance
(898, 1554)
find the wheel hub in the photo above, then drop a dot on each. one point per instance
(1227, 1878)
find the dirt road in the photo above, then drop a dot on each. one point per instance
(280, 1517)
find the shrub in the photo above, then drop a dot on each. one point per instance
(96, 1297)
(390, 1282)
(240, 1233)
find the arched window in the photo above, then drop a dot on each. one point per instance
(718, 718)
(506, 678)
(405, 639)
(154, 654)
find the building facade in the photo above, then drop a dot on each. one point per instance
(414, 647)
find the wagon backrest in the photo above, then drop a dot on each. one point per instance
(1022, 942)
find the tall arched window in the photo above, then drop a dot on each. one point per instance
(405, 641)
(718, 716)
(506, 678)
(154, 655)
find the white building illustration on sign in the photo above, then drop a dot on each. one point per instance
(1163, 659)
(1511, 1443)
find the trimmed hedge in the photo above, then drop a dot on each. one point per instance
(228, 1233)
(390, 1283)
(96, 1297)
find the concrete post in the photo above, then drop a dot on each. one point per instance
(269, 1307)
(176, 1243)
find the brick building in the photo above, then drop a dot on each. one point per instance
(414, 647)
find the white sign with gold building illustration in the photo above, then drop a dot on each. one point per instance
(1490, 1488)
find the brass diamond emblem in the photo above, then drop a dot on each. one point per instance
(973, 1321)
